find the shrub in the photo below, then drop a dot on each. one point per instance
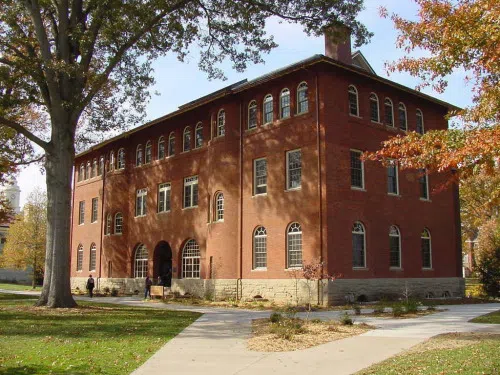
(411, 306)
(114, 292)
(107, 290)
(397, 310)
(316, 321)
(488, 265)
(287, 328)
(346, 319)
(275, 317)
(357, 309)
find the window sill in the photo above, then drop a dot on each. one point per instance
(259, 195)
(396, 269)
(360, 268)
(251, 129)
(81, 224)
(301, 113)
(394, 195)
(291, 269)
(189, 208)
(139, 216)
(355, 116)
(93, 222)
(293, 189)
(163, 212)
(425, 200)
(185, 152)
(376, 122)
(116, 234)
(427, 269)
(263, 269)
(357, 188)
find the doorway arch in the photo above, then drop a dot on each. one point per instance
(162, 263)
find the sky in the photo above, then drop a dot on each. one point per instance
(178, 83)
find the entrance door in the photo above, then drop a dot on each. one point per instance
(162, 264)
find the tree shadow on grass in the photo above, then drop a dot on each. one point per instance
(41, 370)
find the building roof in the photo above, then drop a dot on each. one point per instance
(363, 69)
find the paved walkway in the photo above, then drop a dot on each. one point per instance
(216, 342)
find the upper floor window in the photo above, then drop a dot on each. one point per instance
(191, 260)
(402, 117)
(358, 245)
(171, 144)
(198, 135)
(357, 170)
(260, 176)
(302, 98)
(394, 247)
(389, 112)
(149, 153)
(81, 213)
(95, 203)
(109, 222)
(425, 245)
(100, 169)
(221, 123)
(268, 109)
(111, 160)
(94, 168)
(81, 173)
(392, 178)
(294, 246)
(140, 203)
(161, 148)
(219, 207)
(79, 258)
(164, 197)
(121, 159)
(93, 257)
(191, 192)
(139, 158)
(424, 184)
(118, 223)
(293, 169)
(353, 101)
(260, 248)
(420, 122)
(88, 173)
(252, 114)
(141, 261)
(374, 115)
(186, 146)
(285, 103)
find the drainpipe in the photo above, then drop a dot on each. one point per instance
(320, 187)
(239, 281)
(103, 223)
(72, 215)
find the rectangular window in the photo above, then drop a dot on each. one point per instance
(252, 116)
(392, 179)
(426, 253)
(293, 169)
(163, 197)
(424, 184)
(93, 218)
(260, 176)
(81, 213)
(191, 192)
(357, 170)
(140, 203)
(394, 253)
(358, 250)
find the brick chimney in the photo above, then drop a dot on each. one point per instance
(341, 49)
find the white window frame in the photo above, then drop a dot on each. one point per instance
(401, 106)
(190, 182)
(148, 153)
(388, 102)
(139, 156)
(79, 258)
(267, 99)
(191, 257)
(141, 194)
(95, 210)
(198, 129)
(255, 177)
(362, 169)
(141, 260)
(283, 94)
(88, 173)
(111, 161)
(252, 106)
(420, 114)
(161, 144)
(291, 232)
(221, 123)
(353, 90)
(109, 223)
(219, 206)
(259, 234)
(92, 257)
(425, 176)
(81, 173)
(398, 235)
(118, 228)
(121, 159)
(393, 163)
(100, 167)
(164, 189)
(302, 86)
(374, 98)
(288, 186)
(427, 237)
(186, 146)
(81, 213)
(355, 232)
(94, 168)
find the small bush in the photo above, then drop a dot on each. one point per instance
(357, 310)
(346, 319)
(107, 290)
(316, 321)
(114, 292)
(275, 317)
(397, 310)
(333, 328)
(411, 306)
(287, 328)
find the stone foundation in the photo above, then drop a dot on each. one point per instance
(293, 291)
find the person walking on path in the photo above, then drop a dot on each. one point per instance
(147, 288)
(90, 285)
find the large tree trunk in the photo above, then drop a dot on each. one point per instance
(56, 290)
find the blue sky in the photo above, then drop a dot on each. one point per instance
(178, 83)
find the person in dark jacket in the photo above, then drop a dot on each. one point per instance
(90, 285)
(147, 288)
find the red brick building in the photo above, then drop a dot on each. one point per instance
(236, 190)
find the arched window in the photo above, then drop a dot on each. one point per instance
(302, 98)
(219, 207)
(139, 156)
(100, 170)
(260, 248)
(186, 146)
(198, 135)
(221, 123)
(119, 223)
(394, 247)
(161, 148)
(149, 153)
(79, 258)
(93, 257)
(425, 245)
(121, 159)
(111, 160)
(389, 112)
(171, 144)
(402, 117)
(353, 101)
(252, 114)
(358, 245)
(109, 221)
(374, 115)
(81, 173)
(294, 246)
(94, 168)
(268, 109)
(285, 103)
(141, 261)
(191, 260)
(420, 122)
(88, 172)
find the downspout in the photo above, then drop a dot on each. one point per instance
(103, 223)
(72, 214)
(239, 281)
(320, 184)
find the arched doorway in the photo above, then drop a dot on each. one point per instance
(162, 263)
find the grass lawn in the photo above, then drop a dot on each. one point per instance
(91, 339)
(457, 353)
(18, 287)
(491, 318)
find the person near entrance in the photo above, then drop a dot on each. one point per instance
(90, 285)
(147, 288)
